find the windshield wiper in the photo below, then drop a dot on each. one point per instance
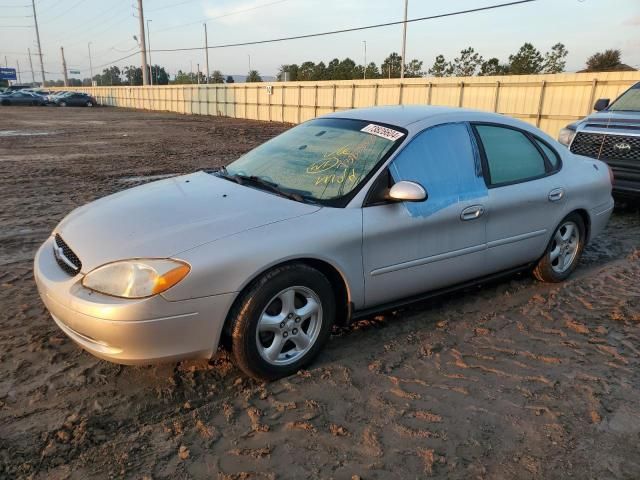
(271, 186)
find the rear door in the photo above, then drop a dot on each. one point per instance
(409, 248)
(526, 196)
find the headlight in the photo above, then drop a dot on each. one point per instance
(566, 135)
(137, 278)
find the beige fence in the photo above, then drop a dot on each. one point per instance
(548, 101)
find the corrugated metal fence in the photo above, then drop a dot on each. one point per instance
(548, 101)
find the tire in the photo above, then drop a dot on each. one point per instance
(282, 321)
(89, 104)
(63, 104)
(6, 103)
(563, 253)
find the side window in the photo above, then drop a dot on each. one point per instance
(550, 153)
(443, 160)
(511, 156)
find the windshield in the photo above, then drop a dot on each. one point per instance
(323, 159)
(629, 101)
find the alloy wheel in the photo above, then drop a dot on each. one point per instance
(289, 326)
(564, 248)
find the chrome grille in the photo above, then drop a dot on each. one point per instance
(606, 147)
(66, 258)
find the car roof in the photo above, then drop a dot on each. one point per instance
(402, 115)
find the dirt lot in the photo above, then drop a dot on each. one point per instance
(513, 380)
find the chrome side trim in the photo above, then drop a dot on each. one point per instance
(516, 238)
(426, 260)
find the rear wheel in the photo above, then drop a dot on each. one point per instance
(564, 251)
(282, 321)
(89, 104)
(63, 104)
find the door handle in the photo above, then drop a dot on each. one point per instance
(472, 212)
(556, 194)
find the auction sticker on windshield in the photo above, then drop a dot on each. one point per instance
(384, 132)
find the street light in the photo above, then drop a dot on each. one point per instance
(149, 49)
(364, 76)
(90, 64)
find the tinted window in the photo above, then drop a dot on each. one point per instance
(442, 159)
(511, 157)
(551, 155)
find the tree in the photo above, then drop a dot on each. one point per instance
(332, 67)
(184, 77)
(216, 77)
(229, 79)
(391, 66)
(305, 72)
(373, 71)
(527, 61)
(607, 61)
(133, 75)
(253, 76)
(319, 72)
(413, 69)
(555, 59)
(467, 64)
(440, 68)
(160, 76)
(109, 76)
(288, 73)
(345, 70)
(493, 67)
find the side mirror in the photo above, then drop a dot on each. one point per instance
(601, 104)
(405, 191)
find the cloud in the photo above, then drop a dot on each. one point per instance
(632, 22)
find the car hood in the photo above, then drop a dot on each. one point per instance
(166, 217)
(609, 119)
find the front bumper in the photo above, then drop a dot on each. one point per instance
(129, 331)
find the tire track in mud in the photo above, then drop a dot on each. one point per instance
(512, 380)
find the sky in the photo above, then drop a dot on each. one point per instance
(584, 26)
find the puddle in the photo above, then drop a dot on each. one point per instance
(146, 178)
(21, 133)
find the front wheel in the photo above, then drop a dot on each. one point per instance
(63, 104)
(563, 252)
(282, 321)
(89, 104)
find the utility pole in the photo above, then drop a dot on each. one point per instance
(198, 73)
(206, 52)
(18, 64)
(404, 38)
(143, 45)
(149, 45)
(90, 65)
(365, 60)
(35, 19)
(64, 67)
(33, 77)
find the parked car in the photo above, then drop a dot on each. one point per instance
(611, 134)
(21, 97)
(74, 99)
(56, 93)
(342, 216)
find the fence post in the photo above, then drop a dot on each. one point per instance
(461, 94)
(400, 94)
(540, 102)
(283, 90)
(592, 96)
(353, 95)
(429, 93)
(333, 104)
(496, 97)
(375, 96)
(299, 103)
(315, 102)
(269, 103)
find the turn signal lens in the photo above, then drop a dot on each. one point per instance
(137, 278)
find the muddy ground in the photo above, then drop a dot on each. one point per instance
(516, 379)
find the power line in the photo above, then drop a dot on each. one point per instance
(346, 30)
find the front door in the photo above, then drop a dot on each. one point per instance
(409, 248)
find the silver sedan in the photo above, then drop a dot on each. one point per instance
(342, 216)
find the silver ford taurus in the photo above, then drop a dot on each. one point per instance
(341, 216)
